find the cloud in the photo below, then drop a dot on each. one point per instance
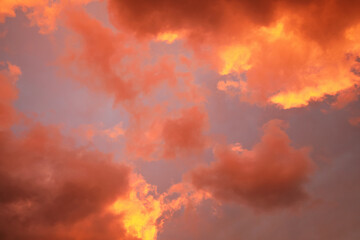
(113, 62)
(52, 189)
(143, 82)
(285, 69)
(100, 49)
(293, 52)
(185, 134)
(89, 131)
(271, 175)
(180, 133)
(8, 94)
(355, 121)
(345, 97)
(167, 37)
(42, 13)
(145, 211)
(320, 21)
(49, 188)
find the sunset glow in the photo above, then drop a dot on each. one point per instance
(167, 37)
(179, 120)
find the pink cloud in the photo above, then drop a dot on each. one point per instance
(271, 175)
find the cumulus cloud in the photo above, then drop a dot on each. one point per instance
(181, 133)
(292, 52)
(144, 211)
(148, 63)
(51, 189)
(271, 175)
(111, 61)
(186, 133)
(42, 13)
(115, 63)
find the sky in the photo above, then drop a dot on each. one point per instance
(173, 120)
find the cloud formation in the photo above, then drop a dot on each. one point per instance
(176, 134)
(154, 86)
(42, 13)
(185, 134)
(111, 61)
(50, 189)
(271, 175)
(292, 52)
(144, 211)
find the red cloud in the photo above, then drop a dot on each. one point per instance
(317, 20)
(155, 134)
(8, 94)
(52, 190)
(100, 51)
(271, 175)
(42, 13)
(112, 62)
(292, 52)
(185, 134)
(345, 97)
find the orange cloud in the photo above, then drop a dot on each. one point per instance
(167, 134)
(42, 13)
(167, 37)
(141, 210)
(99, 52)
(345, 97)
(8, 7)
(53, 190)
(290, 71)
(89, 131)
(8, 94)
(185, 134)
(112, 62)
(144, 211)
(115, 63)
(235, 59)
(293, 52)
(355, 121)
(271, 175)
(114, 132)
